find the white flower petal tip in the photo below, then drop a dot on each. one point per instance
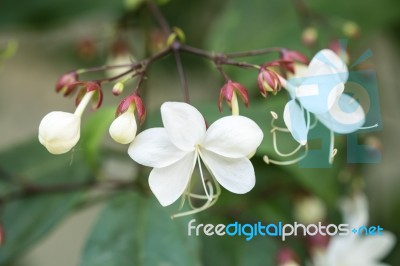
(293, 116)
(184, 124)
(233, 137)
(169, 183)
(345, 116)
(234, 174)
(123, 128)
(59, 131)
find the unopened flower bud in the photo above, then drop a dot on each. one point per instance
(309, 36)
(134, 102)
(340, 49)
(230, 91)
(66, 81)
(294, 56)
(123, 128)
(268, 81)
(351, 29)
(287, 257)
(118, 88)
(59, 131)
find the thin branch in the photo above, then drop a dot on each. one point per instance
(155, 11)
(30, 190)
(182, 76)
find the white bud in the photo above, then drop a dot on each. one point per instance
(309, 210)
(123, 128)
(59, 131)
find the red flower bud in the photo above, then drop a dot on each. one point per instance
(268, 81)
(294, 56)
(227, 93)
(65, 81)
(317, 241)
(135, 100)
(286, 255)
(97, 98)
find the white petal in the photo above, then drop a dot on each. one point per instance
(233, 136)
(169, 183)
(323, 83)
(123, 128)
(184, 124)
(234, 174)
(339, 250)
(328, 62)
(345, 116)
(374, 248)
(294, 119)
(59, 131)
(355, 210)
(153, 148)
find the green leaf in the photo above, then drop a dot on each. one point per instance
(41, 13)
(236, 251)
(29, 219)
(272, 23)
(387, 12)
(94, 130)
(136, 230)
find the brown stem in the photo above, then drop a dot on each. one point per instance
(30, 190)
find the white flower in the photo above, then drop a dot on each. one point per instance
(60, 131)
(319, 90)
(123, 128)
(350, 250)
(173, 151)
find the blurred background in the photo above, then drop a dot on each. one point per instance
(41, 39)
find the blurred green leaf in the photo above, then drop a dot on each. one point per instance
(47, 13)
(29, 219)
(136, 230)
(379, 13)
(93, 132)
(272, 23)
(236, 251)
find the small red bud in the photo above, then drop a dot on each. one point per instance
(118, 88)
(294, 56)
(86, 48)
(317, 241)
(65, 81)
(227, 91)
(268, 81)
(286, 255)
(339, 49)
(136, 100)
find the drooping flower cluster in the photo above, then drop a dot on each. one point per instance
(174, 151)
